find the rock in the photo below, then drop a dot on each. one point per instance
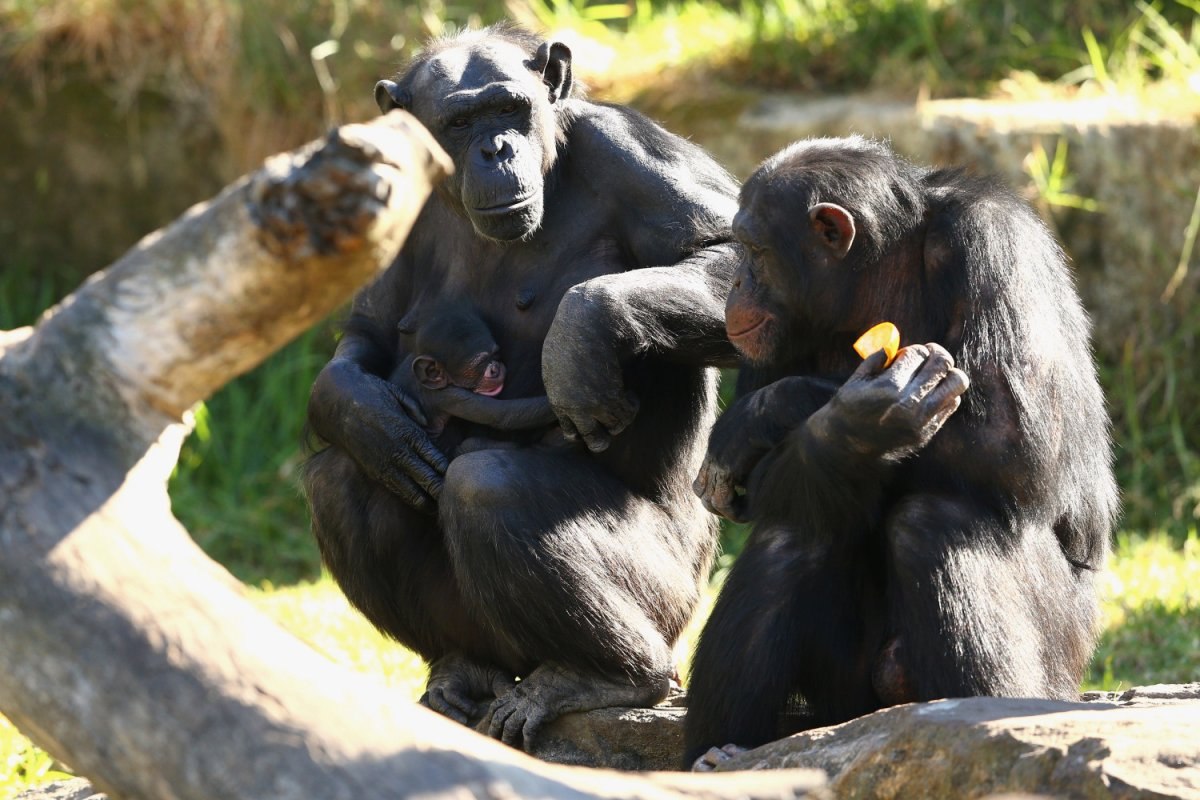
(74, 789)
(1146, 696)
(617, 738)
(1143, 743)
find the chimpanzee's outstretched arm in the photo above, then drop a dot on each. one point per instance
(676, 313)
(506, 415)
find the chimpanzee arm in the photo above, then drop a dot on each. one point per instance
(374, 421)
(505, 415)
(670, 209)
(676, 313)
(747, 431)
(845, 450)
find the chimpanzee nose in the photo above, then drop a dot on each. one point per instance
(495, 147)
(492, 371)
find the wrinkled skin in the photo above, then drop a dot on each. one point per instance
(898, 509)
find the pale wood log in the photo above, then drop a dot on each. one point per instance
(126, 651)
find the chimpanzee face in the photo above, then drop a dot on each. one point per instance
(492, 107)
(482, 373)
(793, 277)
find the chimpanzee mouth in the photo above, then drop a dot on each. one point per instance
(492, 392)
(508, 206)
(747, 331)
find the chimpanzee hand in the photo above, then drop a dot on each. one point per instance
(894, 412)
(584, 377)
(378, 425)
(747, 431)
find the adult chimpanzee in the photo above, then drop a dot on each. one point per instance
(454, 371)
(596, 247)
(904, 548)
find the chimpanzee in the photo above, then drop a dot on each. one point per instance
(597, 249)
(454, 370)
(904, 548)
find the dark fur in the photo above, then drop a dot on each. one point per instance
(587, 564)
(453, 338)
(965, 568)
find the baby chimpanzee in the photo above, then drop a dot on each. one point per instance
(454, 372)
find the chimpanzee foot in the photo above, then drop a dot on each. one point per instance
(890, 679)
(716, 755)
(459, 688)
(549, 692)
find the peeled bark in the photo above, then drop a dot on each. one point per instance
(126, 652)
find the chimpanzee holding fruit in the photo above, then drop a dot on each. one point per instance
(913, 538)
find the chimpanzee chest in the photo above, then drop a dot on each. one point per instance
(517, 288)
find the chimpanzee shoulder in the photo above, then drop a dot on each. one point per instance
(663, 183)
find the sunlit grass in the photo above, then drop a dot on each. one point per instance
(21, 764)
(318, 612)
(1151, 602)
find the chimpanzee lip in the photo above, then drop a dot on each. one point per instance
(491, 392)
(508, 206)
(746, 332)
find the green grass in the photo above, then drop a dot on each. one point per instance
(236, 487)
(939, 47)
(1151, 596)
(22, 764)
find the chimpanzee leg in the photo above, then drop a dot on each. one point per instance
(392, 565)
(795, 616)
(983, 605)
(588, 582)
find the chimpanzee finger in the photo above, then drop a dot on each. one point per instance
(870, 366)
(428, 458)
(403, 487)
(597, 439)
(591, 431)
(410, 405)
(450, 704)
(618, 417)
(947, 392)
(568, 428)
(907, 362)
(930, 374)
(720, 496)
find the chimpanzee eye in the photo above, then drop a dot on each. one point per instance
(458, 123)
(508, 108)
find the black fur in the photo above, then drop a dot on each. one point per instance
(892, 560)
(572, 567)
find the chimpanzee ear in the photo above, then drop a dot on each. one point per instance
(834, 226)
(553, 61)
(429, 372)
(389, 95)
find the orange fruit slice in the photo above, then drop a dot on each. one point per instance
(885, 336)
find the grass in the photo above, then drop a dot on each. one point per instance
(236, 487)
(939, 48)
(1151, 595)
